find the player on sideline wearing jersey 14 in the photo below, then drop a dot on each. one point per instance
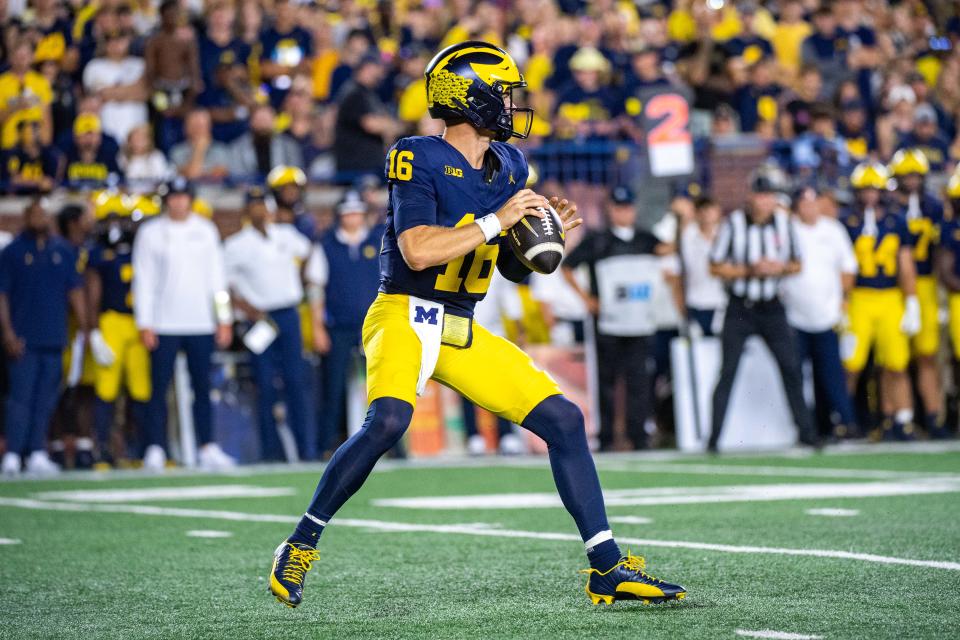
(451, 198)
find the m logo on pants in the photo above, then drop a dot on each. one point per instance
(425, 315)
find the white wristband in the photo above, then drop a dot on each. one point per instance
(490, 226)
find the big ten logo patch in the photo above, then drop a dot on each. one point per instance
(428, 316)
(456, 172)
(633, 292)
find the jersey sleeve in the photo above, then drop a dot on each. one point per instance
(907, 239)
(413, 195)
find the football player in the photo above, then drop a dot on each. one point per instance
(883, 311)
(924, 213)
(287, 185)
(949, 272)
(451, 198)
(121, 358)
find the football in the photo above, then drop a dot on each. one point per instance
(538, 242)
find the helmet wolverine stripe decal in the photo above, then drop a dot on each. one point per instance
(474, 81)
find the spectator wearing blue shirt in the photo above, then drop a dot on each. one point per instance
(89, 162)
(30, 167)
(927, 137)
(757, 96)
(227, 92)
(287, 49)
(821, 50)
(748, 45)
(39, 281)
(856, 130)
(343, 276)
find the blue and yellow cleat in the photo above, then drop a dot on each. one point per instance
(627, 581)
(291, 561)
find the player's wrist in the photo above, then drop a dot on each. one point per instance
(490, 226)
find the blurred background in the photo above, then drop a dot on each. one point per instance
(663, 107)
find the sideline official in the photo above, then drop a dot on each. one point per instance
(263, 270)
(623, 273)
(181, 302)
(754, 249)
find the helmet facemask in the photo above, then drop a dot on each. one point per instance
(506, 125)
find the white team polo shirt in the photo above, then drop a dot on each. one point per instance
(265, 269)
(814, 297)
(177, 269)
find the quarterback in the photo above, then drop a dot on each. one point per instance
(452, 197)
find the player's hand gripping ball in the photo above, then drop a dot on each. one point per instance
(539, 242)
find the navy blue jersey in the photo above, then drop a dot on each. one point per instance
(925, 229)
(877, 250)
(115, 268)
(431, 183)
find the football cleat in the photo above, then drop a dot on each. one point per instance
(291, 562)
(626, 580)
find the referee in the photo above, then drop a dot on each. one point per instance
(754, 249)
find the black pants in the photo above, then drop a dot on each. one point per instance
(628, 358)
(768, 320)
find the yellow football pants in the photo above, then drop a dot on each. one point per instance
(131, 363)
(875, 316)
(492, 372)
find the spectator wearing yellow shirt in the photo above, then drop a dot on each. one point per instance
(412, 98)
(788, 36)
(25, 95)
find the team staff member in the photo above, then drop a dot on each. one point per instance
(924, 213)
(263, 265)
(39, 281)
(883, 311)
(815, 300)
(74, 412)
(343, 275)
(754, 249)
(122, 360)
(180, 302)
(621, 262)
(287, 185)
(949, 272)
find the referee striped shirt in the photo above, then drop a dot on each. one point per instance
(741, 241)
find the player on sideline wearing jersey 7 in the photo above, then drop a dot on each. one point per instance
(451, 198)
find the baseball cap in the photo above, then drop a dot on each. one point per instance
(259, 193)
(351, 203)
(178, 184)
(924, 113)
(621, 194)
(769, 179)
(86, 123)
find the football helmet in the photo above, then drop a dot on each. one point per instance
(870, 175)
(953, 187)
(907, 161)
(474, 81)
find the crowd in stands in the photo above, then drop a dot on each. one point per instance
(117, 98)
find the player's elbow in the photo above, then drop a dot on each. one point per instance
(416, 253)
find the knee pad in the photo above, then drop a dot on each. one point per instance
(387, 421)
(558, 421)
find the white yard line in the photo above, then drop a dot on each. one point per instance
(480, 529)
(630, 520)
(9, 541)
(529, 461)
(208, 533)
(640, 466)
(775, 635)
(683, 495)
(833, 513)
(202, 492)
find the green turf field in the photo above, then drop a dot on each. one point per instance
(480, 549)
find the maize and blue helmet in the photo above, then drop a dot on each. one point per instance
(474, 82)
